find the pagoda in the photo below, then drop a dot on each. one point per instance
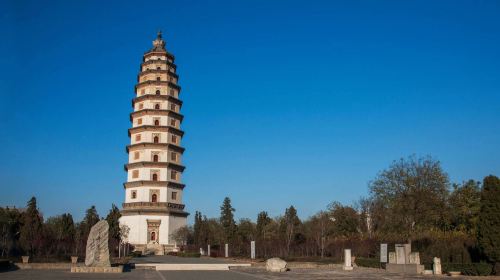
(153, 208)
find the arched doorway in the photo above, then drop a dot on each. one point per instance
(153, 236)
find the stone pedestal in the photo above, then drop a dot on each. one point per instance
(97, 269)
(404, 268)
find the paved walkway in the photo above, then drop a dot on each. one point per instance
(177, 260)
(240, 274)
(180, 263)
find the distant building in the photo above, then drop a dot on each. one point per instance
(153, 207)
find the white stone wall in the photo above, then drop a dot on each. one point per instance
(145, 174)
(138, 227)
(175, 223)
(149, 120)
(151, 90)
(143, 193)
(147, 155)
(147, 137)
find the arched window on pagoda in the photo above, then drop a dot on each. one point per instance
(155, 158)
(156, 140)
(157, 106)
(153, 236)
(155, 177)
(153, 198)
(157, 92)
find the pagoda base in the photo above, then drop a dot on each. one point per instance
(152, 232)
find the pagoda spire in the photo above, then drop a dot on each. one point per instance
(158, 44)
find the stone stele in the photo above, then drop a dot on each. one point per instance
(97, 253)
(276, 265)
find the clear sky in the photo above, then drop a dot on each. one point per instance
(285, 102)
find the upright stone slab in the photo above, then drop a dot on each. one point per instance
(252, 250)
(392, 257)
(208, 250)
(407, 252)
(97, 251)
(383, 252)
(414, 258)
(436, 266)
(226, 250)
(400, 254)
(347, 259)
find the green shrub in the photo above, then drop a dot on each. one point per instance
(136, 254)
(4, 265)
(188, 255)
(471, 269)
(368, 262)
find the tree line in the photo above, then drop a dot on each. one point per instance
(410, 201)
(25, 232)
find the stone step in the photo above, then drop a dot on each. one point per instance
(192, 266)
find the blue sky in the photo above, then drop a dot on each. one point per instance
(285, 102)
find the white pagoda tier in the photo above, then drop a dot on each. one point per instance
(153, 208)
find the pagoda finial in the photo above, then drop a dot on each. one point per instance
(158, 44)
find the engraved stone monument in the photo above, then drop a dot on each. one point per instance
(404, 261)
(97, 252)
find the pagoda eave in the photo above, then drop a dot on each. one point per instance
(158, 83)
(155, 128)
(170, 184)
(150, 145)
(157, 97)
(155, 164)
(157, 71)
(156, 52)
